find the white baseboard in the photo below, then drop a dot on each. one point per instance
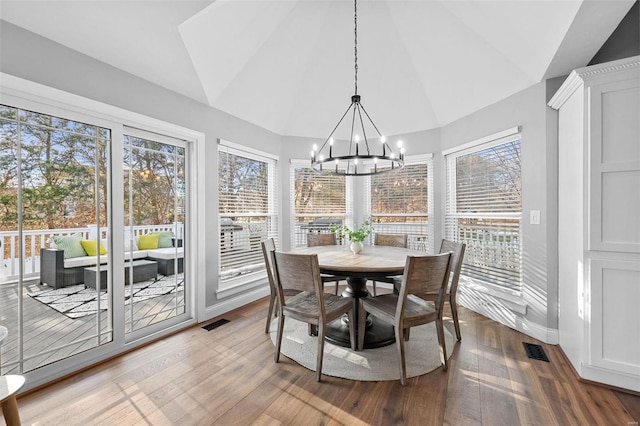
(492, 308)
(610, 377)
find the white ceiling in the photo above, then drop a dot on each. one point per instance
(288, 65)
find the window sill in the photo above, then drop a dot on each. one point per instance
(241, 284)
(494, 294)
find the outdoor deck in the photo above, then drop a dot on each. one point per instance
(50, 335)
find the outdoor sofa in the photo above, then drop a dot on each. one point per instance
(57, 271)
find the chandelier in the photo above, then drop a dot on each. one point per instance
(358, 157)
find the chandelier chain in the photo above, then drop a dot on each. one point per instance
(355, 47)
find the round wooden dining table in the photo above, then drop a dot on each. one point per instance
(372, 263)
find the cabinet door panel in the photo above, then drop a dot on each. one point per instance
(614, 148)
(615, 297)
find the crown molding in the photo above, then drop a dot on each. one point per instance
(581, 76)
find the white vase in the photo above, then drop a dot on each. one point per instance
(356, 247)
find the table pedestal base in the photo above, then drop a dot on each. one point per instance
(377, 333)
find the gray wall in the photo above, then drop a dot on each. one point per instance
(624, 42)
(539, 188)
(32, 57)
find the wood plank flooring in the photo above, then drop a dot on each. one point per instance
(227, 376)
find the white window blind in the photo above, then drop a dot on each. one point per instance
(247, 209)
(484, 209)
(317, 200)
(400, 202)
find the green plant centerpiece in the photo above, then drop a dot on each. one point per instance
(355, 235)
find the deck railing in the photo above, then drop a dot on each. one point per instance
(417, 233)
(34, 240)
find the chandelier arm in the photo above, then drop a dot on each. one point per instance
(353, 120)
(374, 124)
(364, 132)
(334, 129)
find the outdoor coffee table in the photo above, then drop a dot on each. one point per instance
(142, 270)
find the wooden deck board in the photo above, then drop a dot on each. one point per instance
(45, 328)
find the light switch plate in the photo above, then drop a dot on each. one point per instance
(535, 217)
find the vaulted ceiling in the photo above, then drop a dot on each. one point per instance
(288, 65)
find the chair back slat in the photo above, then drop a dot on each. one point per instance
(457, 256)
(269, 246)
(423, 276)
(390, 240)
(298, 272)
(314, 240)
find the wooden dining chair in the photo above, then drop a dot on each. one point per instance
(326, 239)
(457, 256)
(269, 246)
(389, 240)
(301, 272)
(423, 275)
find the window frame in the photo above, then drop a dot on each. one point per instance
(233, 285)
(347, 216)
(410, 160)
(511, 294)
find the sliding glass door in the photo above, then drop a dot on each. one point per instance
(93, 237)
(54, 210)
(155, 190)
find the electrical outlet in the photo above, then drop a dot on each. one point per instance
(534, 217)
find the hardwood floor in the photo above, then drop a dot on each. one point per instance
(227, 376)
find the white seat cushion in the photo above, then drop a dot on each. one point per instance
(167, 253)
(75, 262)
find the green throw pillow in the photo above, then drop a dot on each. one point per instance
(166, 239)
(91, 247)
(71, 244)
(148, 242)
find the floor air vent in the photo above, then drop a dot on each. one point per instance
(215, 324)
(535, 351)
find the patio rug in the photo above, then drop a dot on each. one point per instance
(77, 301)
(422, 353)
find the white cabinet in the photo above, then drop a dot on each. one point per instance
(599, 221)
